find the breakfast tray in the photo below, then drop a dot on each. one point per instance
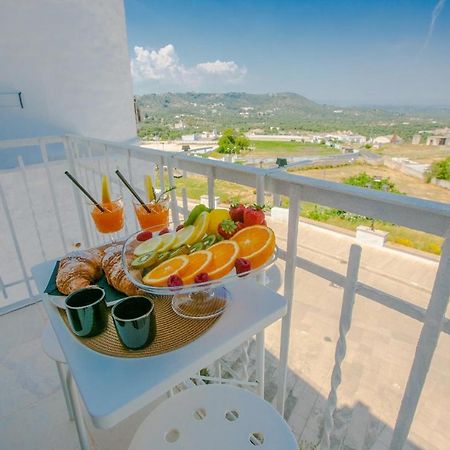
(172, 332)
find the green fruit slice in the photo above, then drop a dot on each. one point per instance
(195, 213)
(162, 257)
(183, 250)
(209, 240)
(143, 261)
(196, 247)
(151, 245)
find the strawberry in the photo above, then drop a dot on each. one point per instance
(227, 228)
(164, 231)
(174, 281)
(179, 227)
(242, 265)
(254, 215)
(239, 226)
(201, 278)
(237, 212)
(144, 236)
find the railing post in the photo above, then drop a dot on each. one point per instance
(211, 193)
(425, 349)
(68, 146)
(341, 347)
(289, 280)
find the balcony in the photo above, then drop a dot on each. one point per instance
(394, 360)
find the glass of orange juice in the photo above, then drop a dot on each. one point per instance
(157, 218)
(112, 219)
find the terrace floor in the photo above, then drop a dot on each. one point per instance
(381, 345)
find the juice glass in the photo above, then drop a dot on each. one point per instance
(157, 218)
(112, 219)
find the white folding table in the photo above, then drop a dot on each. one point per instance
(115, 388)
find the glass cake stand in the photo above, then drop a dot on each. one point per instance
(194, 301)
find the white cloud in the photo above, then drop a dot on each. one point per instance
(434, 15)
(165, 66)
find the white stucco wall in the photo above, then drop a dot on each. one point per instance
(69, 58)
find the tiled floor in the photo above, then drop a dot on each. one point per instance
(381, 346)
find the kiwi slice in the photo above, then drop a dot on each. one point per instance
(183, 250)
(162, 256)
(196, 247)
(143, 261)
(209, 240)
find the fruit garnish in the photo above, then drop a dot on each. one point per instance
(106, 193)
(196, 247)
(256, 244)
(201, 225)
(240, 226)
(242, 265)
(162, 256)
(201, 278)
(227, 228)
(148, 246)
(164, 231)
(185, 236)
(143, 261)
(224, 256)
(195, 213)
(174, 281)
(168, 241)
(150, 191)
(237, 212)
(254, 215)
(209, 240)
(198, 263)
(180, 227)
(159, 275)
(215, 217)
(144, 236)
(183, 250)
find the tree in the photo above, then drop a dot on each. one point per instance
(232, 142)
(439, 170)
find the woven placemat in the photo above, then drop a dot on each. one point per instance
(172, 331)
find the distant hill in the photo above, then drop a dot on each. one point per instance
(286, 111)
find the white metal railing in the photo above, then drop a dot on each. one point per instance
(87, 158)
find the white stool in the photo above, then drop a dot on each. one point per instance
(218, 417)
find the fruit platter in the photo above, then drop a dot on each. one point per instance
(211, 248)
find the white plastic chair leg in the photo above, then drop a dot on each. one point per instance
(64, 379)
(78, 416)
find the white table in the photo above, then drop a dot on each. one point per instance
(115, 388)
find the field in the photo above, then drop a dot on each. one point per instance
(272, 149)
(406, 184)
(420, 153)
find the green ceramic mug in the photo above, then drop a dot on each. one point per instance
(135, 322)
(86, 311)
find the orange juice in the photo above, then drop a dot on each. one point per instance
(156, 219)
(110, 220)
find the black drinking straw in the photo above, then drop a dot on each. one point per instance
(130, 188)
(85, 192)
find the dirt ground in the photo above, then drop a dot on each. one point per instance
(406, 184)
(422, 153)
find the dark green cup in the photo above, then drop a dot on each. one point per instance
(135, 322)
(86, 311)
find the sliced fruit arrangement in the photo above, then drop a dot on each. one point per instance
(208, 246)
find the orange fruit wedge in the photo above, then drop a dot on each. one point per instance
(256, 244)
(224, 254)
(198, 263)
(159, 275)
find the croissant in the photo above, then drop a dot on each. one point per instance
(112, 266)
(79, 269)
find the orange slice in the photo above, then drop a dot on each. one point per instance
(256, 244)
(159, 275)
(224, 256)
(198, 263)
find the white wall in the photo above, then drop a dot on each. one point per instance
(69, 58)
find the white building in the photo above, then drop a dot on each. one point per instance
(73, 76)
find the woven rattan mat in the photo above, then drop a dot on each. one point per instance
(172, 332)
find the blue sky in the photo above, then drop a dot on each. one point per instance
(341, 52)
